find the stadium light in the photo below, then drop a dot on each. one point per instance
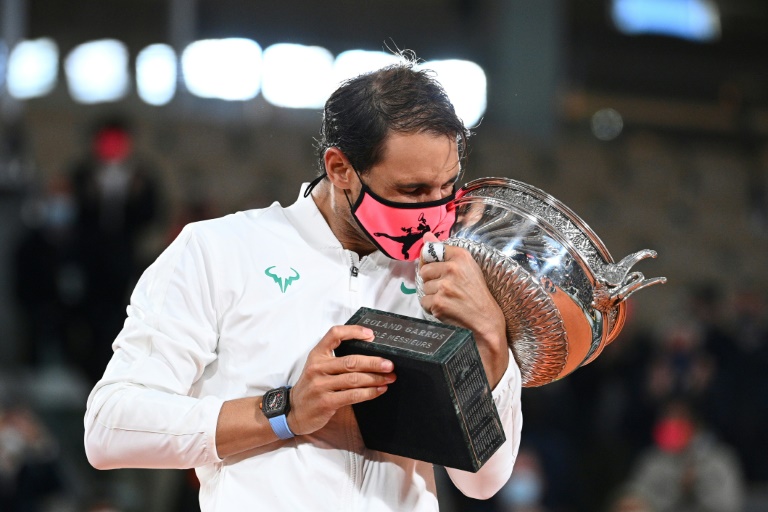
(297, 76)
(97, 71)
(352, 63)
(156, 74)
(694, 20)
(32, 68)
(466, 85)
(227, 69)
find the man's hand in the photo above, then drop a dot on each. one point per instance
(329, 383)
(455, 292)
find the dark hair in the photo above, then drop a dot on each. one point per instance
(364, 110)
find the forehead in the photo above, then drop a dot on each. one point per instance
(419, 155)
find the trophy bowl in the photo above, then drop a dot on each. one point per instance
(562, 294)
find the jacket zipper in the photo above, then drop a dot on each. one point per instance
(354, 270)
(353, 467)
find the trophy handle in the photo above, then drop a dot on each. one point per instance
(615, 274)
(615, 284)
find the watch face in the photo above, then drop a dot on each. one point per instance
(275, 402)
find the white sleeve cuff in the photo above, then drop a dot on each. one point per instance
(507, 391)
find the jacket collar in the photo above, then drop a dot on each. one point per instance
(306, 218)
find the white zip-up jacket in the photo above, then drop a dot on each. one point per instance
(231, 309)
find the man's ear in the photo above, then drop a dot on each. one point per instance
(340, 172)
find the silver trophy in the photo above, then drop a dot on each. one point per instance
(561, 292)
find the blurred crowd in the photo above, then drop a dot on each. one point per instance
(30, 475)
(76, 261)
(73, 264)
(668, 419)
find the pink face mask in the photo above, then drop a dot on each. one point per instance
(397, 228)
(673, 434)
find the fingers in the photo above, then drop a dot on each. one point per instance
(433, 249)
(338, 373)
(328, 383)
(353, 372)
(356, 395)
(433, 252)
(334, 383)
(455, 290)
(453, 261)
(339, 333)
(334, 391)
(351, 364)
(358, 380)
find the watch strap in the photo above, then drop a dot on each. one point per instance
(280, 427)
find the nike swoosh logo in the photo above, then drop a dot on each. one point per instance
(406, 290)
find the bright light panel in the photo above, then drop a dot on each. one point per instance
(32, 68)
(695, 20)
(227, 69)
(156, 74)
(289, 75)
(297, 76)
(466, 86)
(352, 63)
(97, 71)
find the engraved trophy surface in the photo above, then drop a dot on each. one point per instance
(560, 290)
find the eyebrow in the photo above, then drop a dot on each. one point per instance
(451, 181)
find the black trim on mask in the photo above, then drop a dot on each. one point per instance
(398, 204)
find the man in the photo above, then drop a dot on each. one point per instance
(116, 200)
(687, 469)
(241, 307)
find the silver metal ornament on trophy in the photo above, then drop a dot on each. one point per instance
(562, 294)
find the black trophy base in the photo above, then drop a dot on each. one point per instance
(440, 409)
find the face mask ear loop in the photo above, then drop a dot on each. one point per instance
(348, 201)
(351, 207)
(313, 184)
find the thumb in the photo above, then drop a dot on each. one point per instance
(430, 237)
(433, 249)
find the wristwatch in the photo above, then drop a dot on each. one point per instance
(275, 405)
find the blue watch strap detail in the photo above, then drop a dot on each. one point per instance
(280, 427)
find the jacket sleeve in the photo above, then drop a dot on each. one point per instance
(141, 413)
(497, 470)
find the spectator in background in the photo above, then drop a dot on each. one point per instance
(524, 491)
(707, 311)
(746, 382)
(29, 463)
(687, 469)
(682, 366)
(49, 278)
(628, 499)
(730, 388)
(197, 204)
(116, 199)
